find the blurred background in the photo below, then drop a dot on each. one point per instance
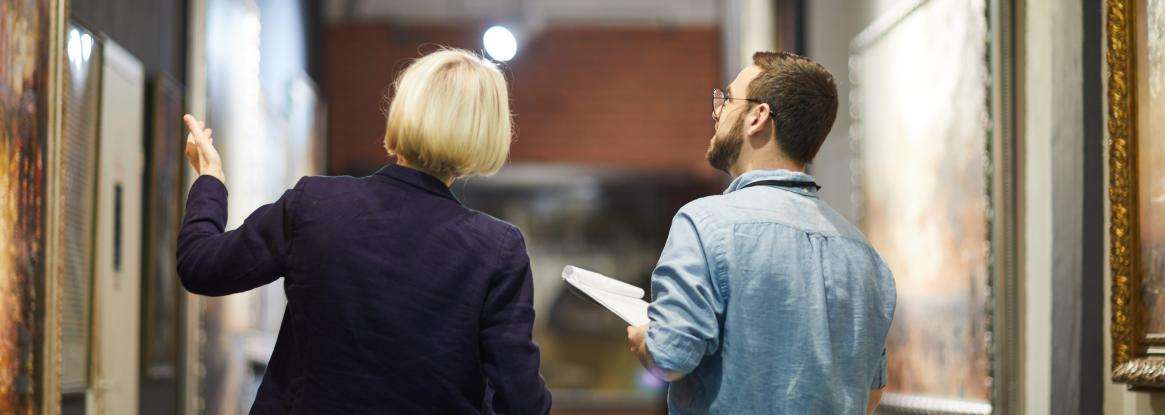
(968, 147)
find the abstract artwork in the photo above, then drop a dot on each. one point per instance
(23, 101)
(1136, 127)
(922, 134)
(163, 186)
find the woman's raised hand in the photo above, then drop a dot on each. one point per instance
(200, 150)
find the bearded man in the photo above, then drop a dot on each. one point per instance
(766, 300)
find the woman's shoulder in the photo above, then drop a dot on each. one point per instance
(326, 185)
(493, 226)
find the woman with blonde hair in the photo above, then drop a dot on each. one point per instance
(399, 298)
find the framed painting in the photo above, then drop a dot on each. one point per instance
(1136, 127)
(934, 196)
(160, 302)
(117, 248)
(25, 108)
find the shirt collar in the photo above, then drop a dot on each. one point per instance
(753, 176)
(418, 179)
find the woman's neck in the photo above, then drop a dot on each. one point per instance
(403, 162)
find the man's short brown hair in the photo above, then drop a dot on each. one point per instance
(803, 96)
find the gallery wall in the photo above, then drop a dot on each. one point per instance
(638, 112)
(154, 31)
(262, 99)
(829, 36)
(1060, 271)
(634, 97)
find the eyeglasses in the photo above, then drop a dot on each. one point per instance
(720, 98)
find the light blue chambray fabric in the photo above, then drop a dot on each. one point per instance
(771, 303)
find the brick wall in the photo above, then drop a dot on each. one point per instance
(630, 97)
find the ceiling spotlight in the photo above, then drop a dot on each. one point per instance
(73, 47)
(500, 43)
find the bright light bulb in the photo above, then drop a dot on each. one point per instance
(86, 46)
(500, 43)
(74, 46)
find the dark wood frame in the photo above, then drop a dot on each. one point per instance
(164, 148)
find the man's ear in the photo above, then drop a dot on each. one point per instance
(758, 119)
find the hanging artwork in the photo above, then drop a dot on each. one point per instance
(160, 303)
(24, 80)
(1136, 127)
(922, 135)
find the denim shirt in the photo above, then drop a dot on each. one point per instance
(769, 302)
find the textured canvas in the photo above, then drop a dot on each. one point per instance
(922, 138)
(1151, 157)
(23, 80)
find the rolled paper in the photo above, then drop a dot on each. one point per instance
(601, 282)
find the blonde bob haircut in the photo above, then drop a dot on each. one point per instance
(450, 115)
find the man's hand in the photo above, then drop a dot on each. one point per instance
(872, 403)
(200, 150)
(636, 341)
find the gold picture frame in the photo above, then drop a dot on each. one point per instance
(1135, 360)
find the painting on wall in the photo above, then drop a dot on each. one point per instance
(922, 137)
(160, 304)
(1136, 126)
(1151, 159)
(24, 84)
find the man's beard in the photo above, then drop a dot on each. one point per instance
(724, 150)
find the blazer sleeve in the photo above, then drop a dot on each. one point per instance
(212, 262)
(510, 357)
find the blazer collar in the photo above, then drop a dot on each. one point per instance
(418, 179)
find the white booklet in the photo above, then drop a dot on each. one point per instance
(623, 299)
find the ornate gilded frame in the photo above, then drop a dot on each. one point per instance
(1131, 361)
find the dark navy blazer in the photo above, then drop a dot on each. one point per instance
(399, 299)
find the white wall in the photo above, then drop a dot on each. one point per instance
(832, 24)
(1052, 136)
(748, 27)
